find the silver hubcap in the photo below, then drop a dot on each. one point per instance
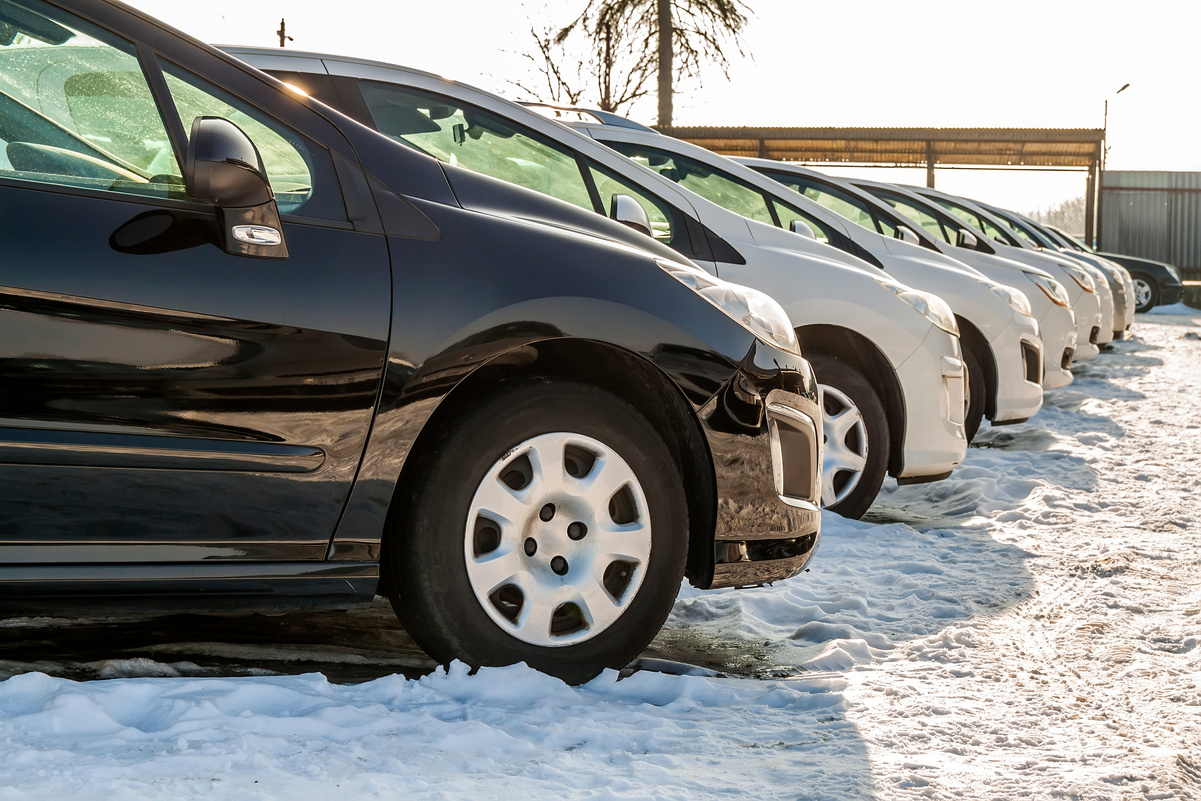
(845, 454)
(558, 539)
(1142, 292)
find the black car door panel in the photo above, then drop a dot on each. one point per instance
(179, 405)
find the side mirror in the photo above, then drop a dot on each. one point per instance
(224, 168)
(628, 211)
(907, 235)
(966, 239)
(799, 226)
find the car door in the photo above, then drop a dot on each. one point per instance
(162, 400)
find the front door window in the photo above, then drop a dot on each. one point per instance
(76, 110)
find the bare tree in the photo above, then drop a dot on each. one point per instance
(562, 73)
(616, 62)
(683, 33)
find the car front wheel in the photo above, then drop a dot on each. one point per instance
(973, 390)
(855, 433)
(1146, 293)
(548, 526)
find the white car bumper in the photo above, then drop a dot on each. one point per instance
(932, 380)
(1105, 328)
(1087, 308)
(1018, 351)
(1058, 328)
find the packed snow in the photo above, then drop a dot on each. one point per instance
(1029, 628)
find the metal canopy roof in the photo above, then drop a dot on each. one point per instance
(1078, 148)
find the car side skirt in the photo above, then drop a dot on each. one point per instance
(195, 588)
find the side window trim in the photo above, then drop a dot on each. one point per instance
(153, 71)
(598, 203)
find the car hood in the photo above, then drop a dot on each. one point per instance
(770, 236)
(482, 193)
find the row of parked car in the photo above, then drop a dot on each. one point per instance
(292, 341)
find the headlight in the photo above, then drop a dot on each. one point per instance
(1172, 269)
(1080, 276)
(1053, 289)
(757, 311)
(1016, 299)
(932, 307)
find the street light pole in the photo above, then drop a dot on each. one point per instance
(1100, 176)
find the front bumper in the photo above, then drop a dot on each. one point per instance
(1058, 327)
(764, 433)
(1123, 299)
(1018, 352)
(1170, 294)
(1105, 328)
(1087, 308)
(932, 380)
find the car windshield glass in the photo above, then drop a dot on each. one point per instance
(1077, 243)
(786, 213)
(977, 222)
(609, 184)
(1054, 238)
(837, 201)
(711, 184)
(919, 215)
(474, 139)
(1024, 231)
(77, 110)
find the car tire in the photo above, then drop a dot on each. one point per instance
(1146, 292)
(486, 566)
(974, 389)
(855, 431)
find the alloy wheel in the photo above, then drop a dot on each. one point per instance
(1142, 292)
(846, 445)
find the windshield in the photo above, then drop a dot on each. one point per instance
(931, 224)
(976, 221)
(841, 203)
(712, 184)
(1024, 231)
(475, 139)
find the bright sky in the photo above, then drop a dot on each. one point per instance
(1023, 63)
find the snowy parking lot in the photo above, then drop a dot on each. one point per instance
(1029, 628)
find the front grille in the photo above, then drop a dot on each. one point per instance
(1094, 335)
(1066, 361)
(1032, 363)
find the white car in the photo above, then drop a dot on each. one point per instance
(1048, 297)
(877, 217)
(1082, 289)
(1106, 285)
(999, 339)
(1115, 276)
(886, 355)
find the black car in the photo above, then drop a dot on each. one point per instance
(1156, 283)
(258, 357)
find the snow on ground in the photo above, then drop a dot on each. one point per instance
(1029, 628)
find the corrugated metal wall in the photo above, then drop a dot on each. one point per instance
(1155, 215)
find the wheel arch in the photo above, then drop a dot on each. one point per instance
(629, 376)
(862, 354)
(972, 337)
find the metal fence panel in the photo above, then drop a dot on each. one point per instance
(1153, 215)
